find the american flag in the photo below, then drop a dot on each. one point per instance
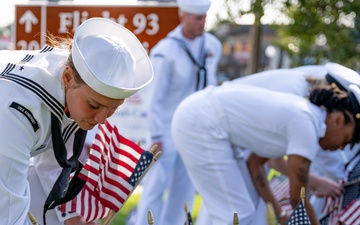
(352, 187)
(299, 215)
(351, 213)
(331, 209)
(112, 172)
(330, 219)
(280, 187)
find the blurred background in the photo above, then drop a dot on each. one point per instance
(256, 35)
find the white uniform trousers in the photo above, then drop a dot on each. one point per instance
(180, 190)
(261, 216)
(209, 159)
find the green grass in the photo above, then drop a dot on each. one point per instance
(132, 202)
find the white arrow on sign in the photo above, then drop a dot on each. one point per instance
(28, 19)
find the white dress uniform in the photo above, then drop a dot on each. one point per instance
(209, 123)
(32, 90)
(174, 79)
(283, 80)
(34, 96)
(327, 164)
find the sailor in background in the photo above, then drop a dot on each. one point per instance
(207, 125)
(328, 166)
(184, 62)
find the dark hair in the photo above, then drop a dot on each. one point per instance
(333, 99)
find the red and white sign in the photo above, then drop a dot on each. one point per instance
(149, 23)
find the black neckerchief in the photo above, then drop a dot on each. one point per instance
(63, 190)
(201, 65)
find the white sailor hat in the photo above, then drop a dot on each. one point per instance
(110, 59)
(197, 7)
(341, 76)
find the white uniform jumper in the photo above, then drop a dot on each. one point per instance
(175, 77)
(329, 164)
(31, 90)
(210, 123)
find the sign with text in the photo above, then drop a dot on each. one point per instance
(149, 23)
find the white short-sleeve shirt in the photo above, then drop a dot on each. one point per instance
(271, 124)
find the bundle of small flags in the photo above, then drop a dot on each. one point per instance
(344, 209)
(330, 210)
(112, 172)
(279, 185)
(350, 215)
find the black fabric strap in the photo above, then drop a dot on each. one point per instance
(63, 191)
(201, 65)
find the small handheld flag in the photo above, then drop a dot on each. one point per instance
(113, 170)
(299, 215)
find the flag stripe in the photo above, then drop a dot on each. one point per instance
(351, 213)
(280, 188)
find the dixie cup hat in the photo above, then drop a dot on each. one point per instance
(110, 59)
(341, 76)
(197, 7)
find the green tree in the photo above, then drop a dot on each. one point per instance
(314, 31)
(326, 30)
(235, 9)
